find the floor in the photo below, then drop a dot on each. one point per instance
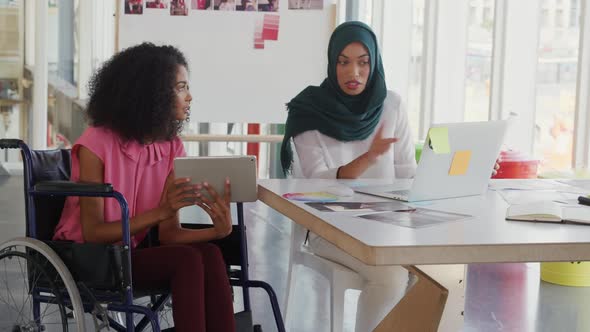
(498, 297)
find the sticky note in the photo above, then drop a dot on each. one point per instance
(438, 138)
(460, 162)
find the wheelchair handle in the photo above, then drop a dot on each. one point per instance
(10, 143)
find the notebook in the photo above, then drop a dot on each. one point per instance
(551, 212)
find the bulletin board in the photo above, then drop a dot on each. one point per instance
(231, 80)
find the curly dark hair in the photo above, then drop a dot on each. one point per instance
(133, 93)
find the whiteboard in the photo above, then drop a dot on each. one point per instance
(230, 80)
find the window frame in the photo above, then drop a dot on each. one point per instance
(581, 146)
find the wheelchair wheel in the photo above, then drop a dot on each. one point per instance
(37, 291)
(164, 316)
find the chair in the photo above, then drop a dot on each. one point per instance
(63, 280)
(340, 277)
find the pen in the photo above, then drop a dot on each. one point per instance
(584, 200)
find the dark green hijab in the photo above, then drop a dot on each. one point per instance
(327, 108)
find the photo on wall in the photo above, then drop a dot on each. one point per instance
(268, 5)
(156, 4)
(134, 7)
(201, 4)
(224, 5)
(178, 8)
(306, 4)
(247, 5)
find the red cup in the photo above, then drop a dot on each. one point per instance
(515, 165)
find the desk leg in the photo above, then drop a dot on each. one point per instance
(420, 309)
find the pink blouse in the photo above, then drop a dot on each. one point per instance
(135, 170)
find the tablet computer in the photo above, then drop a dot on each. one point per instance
(241, 171)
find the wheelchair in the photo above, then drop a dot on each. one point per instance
(48, 285)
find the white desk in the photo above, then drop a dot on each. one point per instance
(485, 238)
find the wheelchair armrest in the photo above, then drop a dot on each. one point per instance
(68, 188)
(10, 143)
(73, 187)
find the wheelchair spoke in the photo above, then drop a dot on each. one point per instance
(13, 306)
(47, 305)
(32, 285)
(24, 289)
(8, 292)
(24, 276)
(164, 315)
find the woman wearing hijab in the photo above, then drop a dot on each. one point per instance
(352, 127)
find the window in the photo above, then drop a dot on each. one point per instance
(415, 72)
(559, 18)
(367, 12)
(574, 14)
(536, 66)
(545, 18)
(61, 45)
(487, 15)
(472, 15)
(11, 62)
(103, 43)
(556, 94)
(478, 68)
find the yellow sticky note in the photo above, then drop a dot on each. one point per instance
(438, 138)
(460, 163)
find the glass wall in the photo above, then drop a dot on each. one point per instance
(62, 48)
(536, 77)
(478, 62)
(556, 83)
(11, 63)
(538, 82)
(415, 66)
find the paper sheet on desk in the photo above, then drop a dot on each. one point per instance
(582, 184)
(531, 196)
(415, 218)
(358, 206)
(532, 184)
(319, 196)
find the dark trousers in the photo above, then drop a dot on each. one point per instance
(197, 277)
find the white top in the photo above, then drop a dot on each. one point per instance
(320, 156)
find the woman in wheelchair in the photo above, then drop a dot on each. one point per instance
(138, 103)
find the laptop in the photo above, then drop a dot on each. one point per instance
(460, 168)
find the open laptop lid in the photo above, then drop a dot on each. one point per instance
(457, 160)
(464, 167)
